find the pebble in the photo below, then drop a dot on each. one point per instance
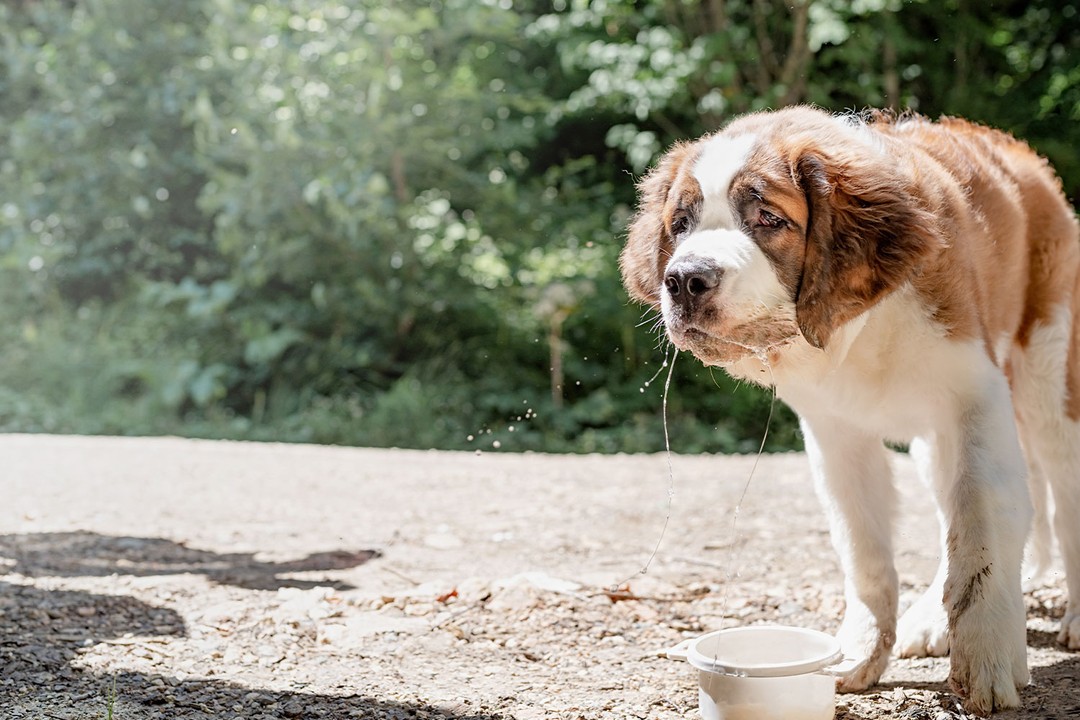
(443, 541)
(260, 698)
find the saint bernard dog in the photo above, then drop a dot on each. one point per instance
(894, 279)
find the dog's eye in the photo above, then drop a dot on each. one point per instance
(769, 220)
(680, 225)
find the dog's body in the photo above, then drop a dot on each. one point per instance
(893, 279)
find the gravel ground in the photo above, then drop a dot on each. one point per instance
(167, 578)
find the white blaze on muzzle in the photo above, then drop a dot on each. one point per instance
(748, 285)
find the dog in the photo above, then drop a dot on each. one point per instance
(894, 279)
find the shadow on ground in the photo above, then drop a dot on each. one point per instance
(81, 554)
(42, 633)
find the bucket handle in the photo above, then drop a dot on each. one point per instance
(845, 666)
(678, 652)
(842, 667)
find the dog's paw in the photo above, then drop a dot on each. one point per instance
(988, 658)
(1069, 636)
(923, 630)
(866, 653)
(986, 684)
(863, 674)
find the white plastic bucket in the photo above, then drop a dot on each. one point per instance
(764, 672)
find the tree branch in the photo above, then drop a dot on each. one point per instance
(798, 54)
(767, 67)
(892, 77)
(716, 21)
(673, 9)
(717, 15)
(667, 125)
(397, 177)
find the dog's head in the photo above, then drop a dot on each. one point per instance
(785, 225)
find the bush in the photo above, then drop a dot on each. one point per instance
(398, 223)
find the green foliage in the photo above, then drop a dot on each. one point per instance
(110, 700)
(398, 223)
(99, 173)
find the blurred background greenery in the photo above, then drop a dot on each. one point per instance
(396, 223)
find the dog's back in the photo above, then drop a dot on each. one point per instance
(1021, 251)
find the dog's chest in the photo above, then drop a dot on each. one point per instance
(885, 404)
(898, 376)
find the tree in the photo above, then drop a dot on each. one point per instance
(398, 223)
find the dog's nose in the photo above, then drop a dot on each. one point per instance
(690, 281)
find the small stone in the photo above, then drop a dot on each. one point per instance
(258, 697)
(443, 541)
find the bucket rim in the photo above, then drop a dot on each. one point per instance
(830, 655)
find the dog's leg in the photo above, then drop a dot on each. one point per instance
(924, 628)
(1066, 512)
(1058, 451)
(983, 497)
(1052, 439)
(1040, 548)
(854, 482)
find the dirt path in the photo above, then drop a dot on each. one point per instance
(232, 580)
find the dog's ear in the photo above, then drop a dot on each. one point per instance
(867, 236)
(648, 242)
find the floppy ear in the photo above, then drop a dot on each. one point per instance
(867, 235)
(648, 244)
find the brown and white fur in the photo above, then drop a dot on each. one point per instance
(894, 279)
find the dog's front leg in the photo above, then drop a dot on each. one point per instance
(981, 489)
(854, 482)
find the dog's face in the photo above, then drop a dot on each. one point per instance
(779, 229)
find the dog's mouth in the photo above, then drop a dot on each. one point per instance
(691, 338)
(730, 342)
